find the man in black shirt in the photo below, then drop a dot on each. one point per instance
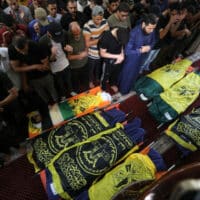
(111, 46)
(27, 56)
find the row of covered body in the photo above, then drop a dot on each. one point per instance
(97, 155)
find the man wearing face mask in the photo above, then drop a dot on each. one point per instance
(141, 41)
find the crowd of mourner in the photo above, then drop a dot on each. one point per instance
(53, 49)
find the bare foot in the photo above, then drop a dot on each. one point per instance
(114, 88)
(91, 85)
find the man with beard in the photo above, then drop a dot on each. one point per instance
(72, 15)
(142, 39)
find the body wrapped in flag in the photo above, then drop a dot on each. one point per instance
(73, 107)
(47, 145)
(136, 167)
(163, 78)
(186, 130)
(170, 103)
(74, 169)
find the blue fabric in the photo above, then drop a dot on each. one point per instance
(138, 39)
(83, 196)
(134, 132)
(129, 74)
(134, 58)
(157, 160)
(162, 4)
(136, 122)
(49, 180)
(184, 151)
(113, 116)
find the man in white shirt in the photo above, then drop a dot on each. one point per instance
(59, 63)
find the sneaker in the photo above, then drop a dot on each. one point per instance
(73, 93)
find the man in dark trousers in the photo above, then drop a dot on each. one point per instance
(111, 46)
(30, 58)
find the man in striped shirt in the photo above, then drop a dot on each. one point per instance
(92, 31)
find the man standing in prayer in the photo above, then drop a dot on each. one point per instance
(142, 39)
(92, 31)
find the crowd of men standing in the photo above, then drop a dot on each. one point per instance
(51, 50)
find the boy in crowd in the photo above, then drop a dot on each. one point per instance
(92, 31)
(52, 9)
(111, 46)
